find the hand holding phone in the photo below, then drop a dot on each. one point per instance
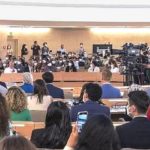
(81, 119)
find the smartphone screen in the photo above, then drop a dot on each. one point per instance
(81, 120)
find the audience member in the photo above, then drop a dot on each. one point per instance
(41, 98)
(71, 67)
(54, 91)
(94, 67)
(4, 117)
(114, 66)
(16, 143)
(108, 91)
(148, 113)
(91, 96)
(28, 83)
(1, 82)
(17, 102)
(136, 134)
(10, 68)
(57, 128)
(97, 134)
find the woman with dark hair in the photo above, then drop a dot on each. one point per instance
(97, 134)
(41, 98)
(24, 50)
(57, 128)
(4, 117)
(70, 67)
(16, 142)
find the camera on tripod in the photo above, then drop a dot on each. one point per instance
(132, 63)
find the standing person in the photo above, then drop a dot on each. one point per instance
(62, 49)
(9, 51)
(36, 49)
(81, 50)
(24, 51)
(136, 133)
(45, 50)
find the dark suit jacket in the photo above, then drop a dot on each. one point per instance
(55, 92)
(93, 108)
(108, 91)
(135, 134)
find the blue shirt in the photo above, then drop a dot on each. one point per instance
(108, 91)
(28, 88)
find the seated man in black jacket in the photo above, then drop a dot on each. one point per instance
(54, 91)
(136, 134)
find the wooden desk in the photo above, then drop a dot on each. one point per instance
(65, 79)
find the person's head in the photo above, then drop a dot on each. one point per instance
(106, 75)
(114, 64)
(16, 142)
(57, 125)
(4, 116)
(40, 89)
(11, 64)
(48, 77)
(57, 113)
(24, 46)
(92, 92)
(17, 99)
(82, 92)
(94, 63)
(45, 44)
(35, 42)
(28, 78)
(98, 134)
(138, 103)
(62, 46)
(81, 45)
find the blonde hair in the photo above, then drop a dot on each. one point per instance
(16, 98)
(106, 74)
(28, 78)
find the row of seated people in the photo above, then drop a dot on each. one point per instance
(42, 95)
(97, 133)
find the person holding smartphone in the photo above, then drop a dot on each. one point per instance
(98, 133)
(92, 103)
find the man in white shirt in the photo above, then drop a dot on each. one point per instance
(11, 68)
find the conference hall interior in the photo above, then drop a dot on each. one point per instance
(74, 75)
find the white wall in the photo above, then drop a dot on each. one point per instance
(76, 10)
